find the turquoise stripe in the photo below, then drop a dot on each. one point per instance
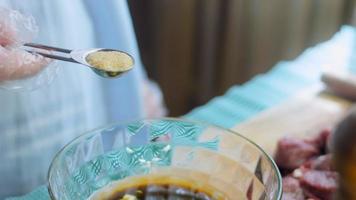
(305, 70)
(234, 108)
(268, 85)
(282, 83)
(212, 115)
(251, 99)
(247, 98)
(242, 102)
(244, 110)
(261, 92)
(289, 76)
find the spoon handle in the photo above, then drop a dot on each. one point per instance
(49, 52)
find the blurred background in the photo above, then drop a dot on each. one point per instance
(196, 49)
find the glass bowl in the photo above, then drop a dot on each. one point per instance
(194, 151)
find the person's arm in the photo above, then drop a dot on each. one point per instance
(15, 63)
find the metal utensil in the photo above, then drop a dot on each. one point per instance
(75, 56)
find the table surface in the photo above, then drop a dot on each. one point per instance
(242, 106)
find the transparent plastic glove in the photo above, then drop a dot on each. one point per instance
(18, 68)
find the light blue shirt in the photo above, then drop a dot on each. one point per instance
(34, 126)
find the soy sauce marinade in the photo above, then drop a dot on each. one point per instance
(158, 187)
(160, 192)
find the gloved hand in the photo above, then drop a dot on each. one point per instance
(15, 30)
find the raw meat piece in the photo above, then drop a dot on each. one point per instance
(320, 184)
(293, 152)
(323, 162)
(292, 189)
(321, 140)
(309, 172)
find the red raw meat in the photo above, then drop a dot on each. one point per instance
(321, 140)
(293, 152)
(320, 184)
(310, 173)
(292, 189)
(323, 162)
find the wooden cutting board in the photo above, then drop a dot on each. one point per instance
(302, 116)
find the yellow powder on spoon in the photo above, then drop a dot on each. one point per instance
(112, 61)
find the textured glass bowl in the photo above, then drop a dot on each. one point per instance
(117, 151)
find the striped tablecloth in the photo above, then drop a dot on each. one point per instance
(264, 91)
(241, 102)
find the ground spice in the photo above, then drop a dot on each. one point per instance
(113, 61)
